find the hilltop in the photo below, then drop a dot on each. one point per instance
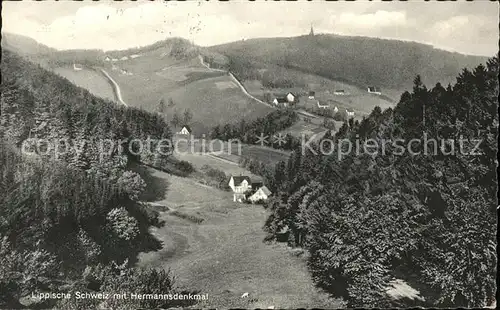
(169, 71)
(362, 61)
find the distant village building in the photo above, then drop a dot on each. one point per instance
(311, 94)
(290, 97)
(335, 109)
(349, 112)
(240, 186)
(107, 58)
(185, 130)
(77, 67)
(374, 90)
(114, 59)
(261, 194)
(322, 106)
(339, 92)
(124, 58)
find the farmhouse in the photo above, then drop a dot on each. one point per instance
(261, 194)
(311, 94)
(349, 112)
(77, 67)
(374, 90)
(339, 92)
(240, 186)
(335, 109)
(107, 58)
(185, 130)
(290, 97)
(124, 58)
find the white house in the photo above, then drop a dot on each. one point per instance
(261, 194)
(335, 109)
(240, 186)
(339, 92)
(124, 58)
(77, 67)
(374, 90)
(349, 112)
(107, 58)
(185, 130)
(290, 97)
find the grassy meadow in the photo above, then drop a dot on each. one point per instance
(216, 246)
(212, 97)
(89, 79)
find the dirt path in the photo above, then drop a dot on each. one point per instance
(225, 256)
(235, 80)
(116, 87)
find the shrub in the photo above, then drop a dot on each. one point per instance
(190, 217)
(184, 166)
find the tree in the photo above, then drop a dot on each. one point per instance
(188, 116)
(161, 106)
(122, 224)
(170, 102)
(176, 120)
(132, 184)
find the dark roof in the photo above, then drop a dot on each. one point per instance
(349, 110)
(265, 190)
(187, 127)
(339, 91)
(311, 92)
(290, 93)
(282, 100)
(256, 185)
(373, 88)
(240, 178)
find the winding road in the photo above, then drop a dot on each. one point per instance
(116, 87)
(243, 89)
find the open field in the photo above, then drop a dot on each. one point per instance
(212, 96)
(224, 255)
(89, 79)
(232, 152)
(230, 168)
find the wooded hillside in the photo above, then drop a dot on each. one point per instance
(72, 222)
(428, 219)
(362, 61)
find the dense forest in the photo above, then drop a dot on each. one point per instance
(361, 61)
(71, 220)
(426, 218)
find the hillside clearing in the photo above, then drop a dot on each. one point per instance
(224, 255)
(211, 96)
(89, 79)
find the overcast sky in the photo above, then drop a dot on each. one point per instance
(465, 27)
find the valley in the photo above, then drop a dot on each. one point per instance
(225, 255)
(263, 223)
